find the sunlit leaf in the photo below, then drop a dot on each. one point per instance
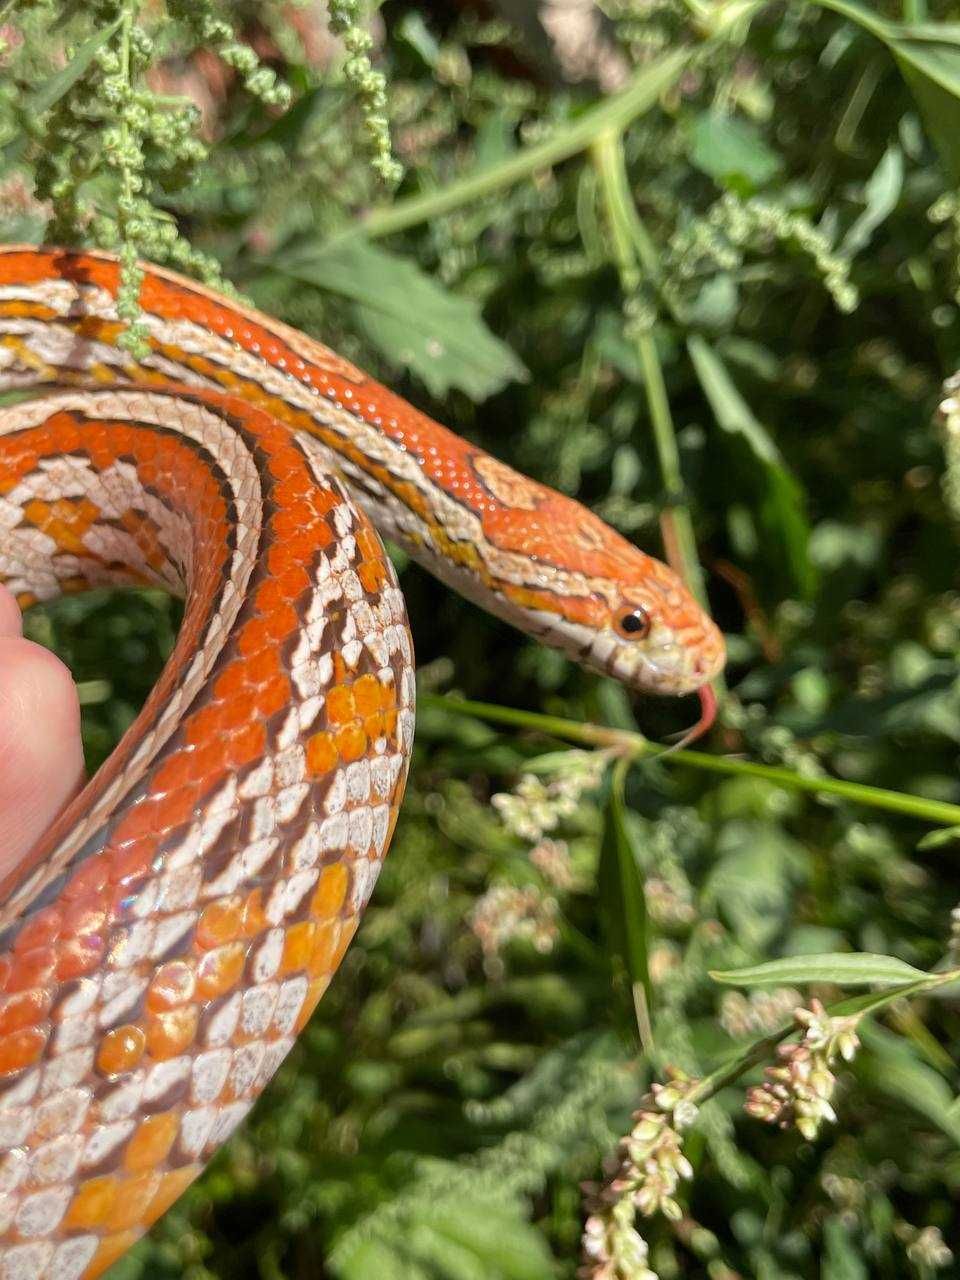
(844, 969)
(415, 322)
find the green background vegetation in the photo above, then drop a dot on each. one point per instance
(774, 235)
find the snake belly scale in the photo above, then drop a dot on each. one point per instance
(164, 943)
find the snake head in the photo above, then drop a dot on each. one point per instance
(604, 602)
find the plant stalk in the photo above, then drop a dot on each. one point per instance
(637, 747)
(614, 113)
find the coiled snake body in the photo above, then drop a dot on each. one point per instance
(167, 939)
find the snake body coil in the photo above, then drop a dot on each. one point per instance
(171, 934)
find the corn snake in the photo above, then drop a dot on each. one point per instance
(167, 939)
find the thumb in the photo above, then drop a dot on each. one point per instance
(41, 758)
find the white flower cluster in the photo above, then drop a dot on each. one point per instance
(799, 1091)
(644, 1175)
(536, 805)
(506, 912)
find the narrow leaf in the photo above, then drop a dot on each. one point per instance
(730, 409)
(781, 499)
(844, 969)
(49, 94)
(881, 194)
(414, 321)
(623, 903)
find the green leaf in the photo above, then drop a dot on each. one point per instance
(49, 94)
(891, 1067)
(928, 55)
(732, 152)
(881, 194)
(844, 969)
(937, 839)
(623, 903)
(781, 499)
(414, 321)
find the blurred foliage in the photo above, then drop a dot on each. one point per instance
(470, 1064)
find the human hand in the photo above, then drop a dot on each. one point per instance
(41, 759)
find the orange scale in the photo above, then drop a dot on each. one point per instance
(168, 1034)
(173, 984)
(79, 956)
(135, 1194)
(171, 1188)
(282, 554)
(6, 965)
(176, 772)
(341, 705)
(325, 943)
(368, 544)
(321, 754)
(348, 929)
(83, 917)
(254, 636)
(282, 622)
(295, 487)
(145, 819)
(232, 682)
(372, 575)
(40, 930)
(367, 696)
(18, 1049)
(220, 922)
(331, 891)
(282, 467)
(203, 725)
(32, 969)
(287, 524)
(373, 726)
(351, 742)
(24, 1009)
(207, 762)
(298, 946)
(220, 970)
(315, 990)
(111, 1248)
(253, 919)
(273, 697)
(263, 666)
(293, 581)
(249, 744)
(94, 1200)
(121, 1049)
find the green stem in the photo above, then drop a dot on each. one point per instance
(636, 747)
(630, 243)
(614, 113)
(762, 1050)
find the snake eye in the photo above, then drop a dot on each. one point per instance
(633, 624)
